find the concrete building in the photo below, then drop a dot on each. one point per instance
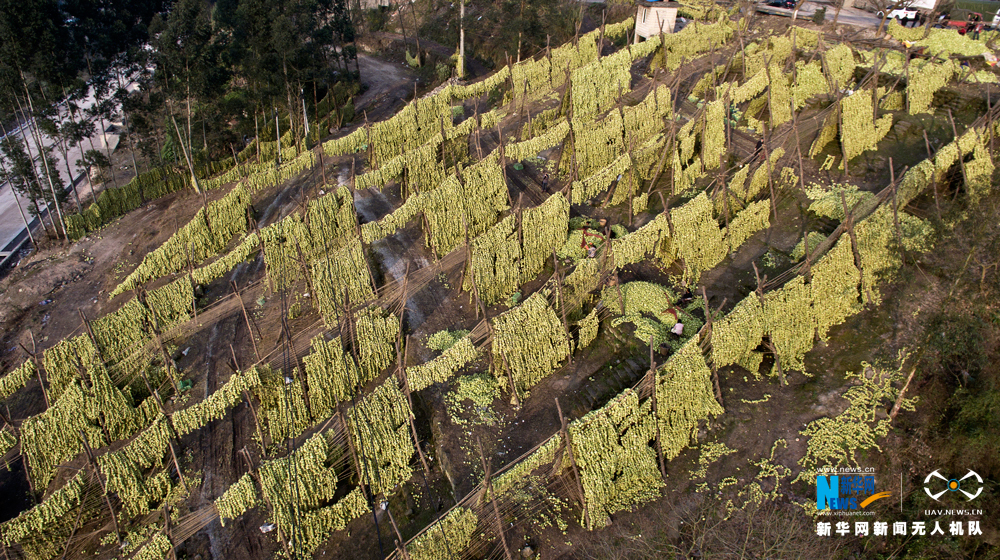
(652, 18)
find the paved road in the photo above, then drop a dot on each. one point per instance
(12, 231)
(848, 16)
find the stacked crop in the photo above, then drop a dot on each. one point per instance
(217, 404)
(617, 465)
(834, 285)
(494, 268)
(15, 380)
(532, 339)
(860, 132)
(341, 278)
(697, 239)
(788, 318)
(588, 328)
(448, 539)
(443, 367)
(637, 246)
(332, 376)
(684, 398)
(381, 434)
(544, 228)
(204, 236)
(754, 218)
(735, 336)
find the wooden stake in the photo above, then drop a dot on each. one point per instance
(572, 459)
(958, 146)
(937, 202)
(90, 332)
(496, 510)
(159, 404)
(651, 381)
(166, 530)
(256, 421)
(409, 399)
(895, 206)
(350, 446)
(263, 494)
(400, 548)
(562, 302)
(104, 488)
(246, 318)
(849, 221)
(38, 368)
(510, 378)
(72, 532)
(899, 399)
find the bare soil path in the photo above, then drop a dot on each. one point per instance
(388, 84)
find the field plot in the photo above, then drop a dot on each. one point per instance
(511, 313)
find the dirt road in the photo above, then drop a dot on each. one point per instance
(385, 81)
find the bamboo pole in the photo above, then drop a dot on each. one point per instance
(409, 399)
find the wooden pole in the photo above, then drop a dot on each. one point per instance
(572, 459)
(263, 494)
(256, 421)
(350, 446)
(958, 146)
(246, 318)
(496, 510)
(510, 378)
(899, 399)
(895, 206)
(708, 336)
(104, 488)
(651, 381)
(849, 221)
(937, 202)
(400, 548)
(562, 302)
(90, 332)
(194, 300)
(79, 513)
(409, 399)
(166, 530)
(153, 325)
(38, 367)
(170, 425)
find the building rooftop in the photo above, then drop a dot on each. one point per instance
(657, 4)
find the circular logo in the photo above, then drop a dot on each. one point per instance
(951, 485)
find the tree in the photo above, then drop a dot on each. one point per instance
(94, 159)
(24, 177)
(64, 136)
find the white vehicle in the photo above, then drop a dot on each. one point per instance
(902, 14)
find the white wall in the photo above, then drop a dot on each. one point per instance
(649, 21)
